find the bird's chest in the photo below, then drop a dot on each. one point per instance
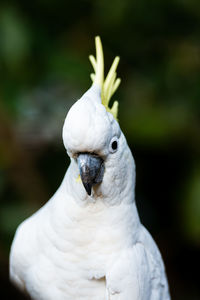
(49, 281)
(87, 249)
(74, 263)
(86, 241)
(74, 254)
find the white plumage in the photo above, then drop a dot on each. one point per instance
(90, 247)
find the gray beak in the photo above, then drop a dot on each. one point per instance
(91, 169)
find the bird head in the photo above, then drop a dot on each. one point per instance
(92, 135)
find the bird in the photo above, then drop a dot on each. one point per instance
(87, 242)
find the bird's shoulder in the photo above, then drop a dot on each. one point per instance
(21, 252)
(23, 240)
(24, 245)
(139, 266)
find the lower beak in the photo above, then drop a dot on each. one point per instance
(91, 169)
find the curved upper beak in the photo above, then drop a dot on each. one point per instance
(91, 169)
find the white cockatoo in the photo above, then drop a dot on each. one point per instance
(87, 242)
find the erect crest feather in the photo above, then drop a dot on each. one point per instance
(111, 83)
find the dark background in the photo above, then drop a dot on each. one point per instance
(44, 68)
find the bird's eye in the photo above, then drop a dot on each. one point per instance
(113, 145)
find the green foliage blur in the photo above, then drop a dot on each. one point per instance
(44, 68)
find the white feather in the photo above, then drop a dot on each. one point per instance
(82, 247)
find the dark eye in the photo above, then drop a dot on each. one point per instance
(113, 145)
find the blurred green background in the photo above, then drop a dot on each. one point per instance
(44, 68)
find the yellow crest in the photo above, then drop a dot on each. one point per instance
(111, 83)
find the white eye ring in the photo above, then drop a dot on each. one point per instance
(113, 145)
